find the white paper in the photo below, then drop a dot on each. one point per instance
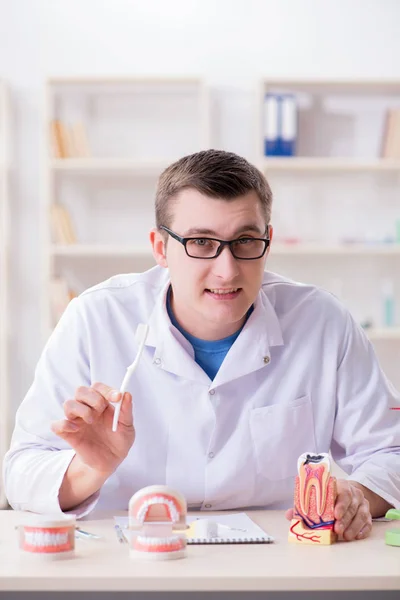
(233, 520)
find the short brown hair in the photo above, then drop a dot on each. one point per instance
(214, 173)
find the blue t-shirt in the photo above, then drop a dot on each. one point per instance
(208, 354)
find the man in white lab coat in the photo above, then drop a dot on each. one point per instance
(242, 371)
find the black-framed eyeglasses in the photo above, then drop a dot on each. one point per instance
(243, 248)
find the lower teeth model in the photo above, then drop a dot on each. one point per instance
(156, 513)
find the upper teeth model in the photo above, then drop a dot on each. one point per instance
(154, 513)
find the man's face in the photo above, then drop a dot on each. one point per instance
(210, 298)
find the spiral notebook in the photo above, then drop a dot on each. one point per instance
(237, 528)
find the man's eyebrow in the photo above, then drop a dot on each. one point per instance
(204, 231)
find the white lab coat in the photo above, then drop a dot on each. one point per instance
(301, 376)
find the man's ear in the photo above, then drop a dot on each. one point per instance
(159, 249)
(271, 235)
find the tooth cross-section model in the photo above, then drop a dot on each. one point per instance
(314, 501)
(157, 516)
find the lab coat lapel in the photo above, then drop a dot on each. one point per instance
(173, 352)
(251, 350)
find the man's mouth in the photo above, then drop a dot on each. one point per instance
(224, 292)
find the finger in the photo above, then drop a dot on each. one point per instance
(91, 398)
(126, 414)
(342, 524)
(343, 502)
(110, 394)
(365, 531)
(64, 427)
(362, 522)
(289, 514)
(74, 409)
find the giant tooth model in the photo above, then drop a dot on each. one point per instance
(314, 501)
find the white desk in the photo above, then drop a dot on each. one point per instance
(105, 565)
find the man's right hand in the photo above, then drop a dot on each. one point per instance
(87, 427)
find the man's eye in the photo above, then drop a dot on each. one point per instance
(202, 241)
(243, 241)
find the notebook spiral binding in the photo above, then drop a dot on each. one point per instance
(249, 540)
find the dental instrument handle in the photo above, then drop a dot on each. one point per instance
(140, 336)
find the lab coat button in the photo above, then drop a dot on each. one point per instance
(208, 505)
(266, 359)
(211, 392)
(211, 455)
(157, 361)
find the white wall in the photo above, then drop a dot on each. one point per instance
(231, 43)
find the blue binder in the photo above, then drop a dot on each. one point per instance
(280, 125)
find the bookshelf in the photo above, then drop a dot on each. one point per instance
(330, 164)
(336, 211)
(106, 143)
(4, 277)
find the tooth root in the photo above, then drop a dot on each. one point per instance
(324, 487)
(304, 489)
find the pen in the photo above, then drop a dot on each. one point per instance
(231, 528)
(80, 533)
(225, 526)
(120, 535)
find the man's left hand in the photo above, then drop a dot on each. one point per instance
(353, 519)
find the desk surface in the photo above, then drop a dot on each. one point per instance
(105, 564)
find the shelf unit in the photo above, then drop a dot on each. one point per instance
(133, 129)
(5, 425)
(338, 188)
(350, 249)
(321, 164)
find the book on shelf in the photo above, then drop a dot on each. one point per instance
(280, 124)
(60, 296)
(391, 134)
(69, 141)
(62, 229)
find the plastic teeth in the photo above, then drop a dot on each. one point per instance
(141, 514)
(43, 539)
(155, 541)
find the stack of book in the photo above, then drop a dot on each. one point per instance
(391, 135)
(63, 231)
(60, 296)
(68, 141)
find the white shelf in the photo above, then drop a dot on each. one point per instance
(279, 249)
(98, 250)
(5, 433)
(106, 165)
(94, 250)
(378, 87)
(383, 333)
(135, 127)
(337, 187)
(311, 164)
(111, 82)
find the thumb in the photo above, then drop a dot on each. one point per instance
(126, 413)
(289, 514)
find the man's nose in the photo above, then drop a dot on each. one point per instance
(225, 265)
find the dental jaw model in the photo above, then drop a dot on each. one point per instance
(314, 501)
(157, 516)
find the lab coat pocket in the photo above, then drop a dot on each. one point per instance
(280, 433)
